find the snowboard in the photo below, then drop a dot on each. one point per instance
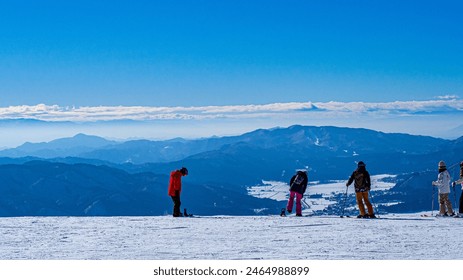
(283, 214)
(185, 214)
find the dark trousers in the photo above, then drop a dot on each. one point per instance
(461, 203)
(177, 203)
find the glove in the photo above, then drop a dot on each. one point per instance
(453, 184)
(434, 183)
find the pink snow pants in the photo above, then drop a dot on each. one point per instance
(289, 207)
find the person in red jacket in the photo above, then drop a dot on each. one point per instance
(175, 188)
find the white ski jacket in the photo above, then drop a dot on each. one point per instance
(443, 182)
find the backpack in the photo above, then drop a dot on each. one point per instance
(360, 181)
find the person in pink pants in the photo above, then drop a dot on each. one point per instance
(298, 185)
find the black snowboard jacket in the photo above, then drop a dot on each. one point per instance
(298, 182)
(361, 179)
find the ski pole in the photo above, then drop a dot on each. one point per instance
(344, 204)
(305, 204)
(374, 205)
(454, 183)
(432, 202)
(454, 199)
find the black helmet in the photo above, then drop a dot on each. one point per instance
(361, 164)
(184, 171)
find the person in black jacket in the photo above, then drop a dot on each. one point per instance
(460, 181)
(298, 185)
(362, 184)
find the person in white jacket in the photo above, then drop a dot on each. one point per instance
(460, 181)
(443, 184)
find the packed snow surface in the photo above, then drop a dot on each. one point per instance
(394, 237)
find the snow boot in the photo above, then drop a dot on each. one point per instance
(283, 212)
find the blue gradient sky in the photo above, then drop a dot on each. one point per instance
(231, 52)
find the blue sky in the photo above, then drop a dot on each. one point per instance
(196, 68)
(199, 53)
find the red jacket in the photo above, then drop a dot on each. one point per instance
(175, 183)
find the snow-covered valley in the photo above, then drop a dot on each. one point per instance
(319, 196)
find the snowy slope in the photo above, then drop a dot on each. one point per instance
(401, 237)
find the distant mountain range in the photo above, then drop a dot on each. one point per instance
(88, 175)
(65, 147)
(39, 188)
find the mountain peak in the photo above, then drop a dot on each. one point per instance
(63, 147)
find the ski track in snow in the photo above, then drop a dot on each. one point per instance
(398, 237)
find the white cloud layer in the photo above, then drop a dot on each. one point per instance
(442, 117)
(310, 109)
